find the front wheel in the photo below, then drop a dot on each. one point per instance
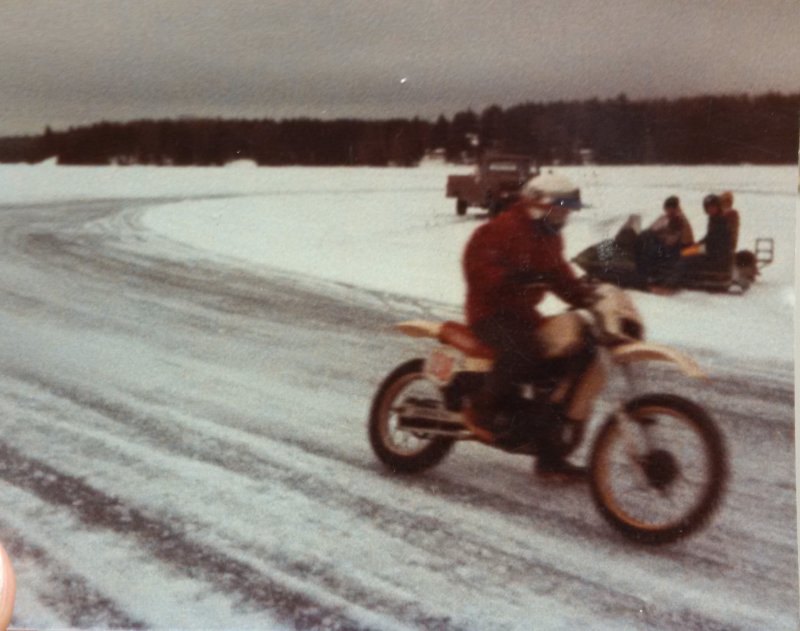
(400, 449)
(658, 473)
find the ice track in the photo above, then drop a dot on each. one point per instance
(184, 446)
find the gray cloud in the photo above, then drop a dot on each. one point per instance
(85, 60)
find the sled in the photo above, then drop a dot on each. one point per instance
(764, 251)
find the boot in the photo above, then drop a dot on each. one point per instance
(558, 469)
(479, 415)
(551, 462)
(488, 419)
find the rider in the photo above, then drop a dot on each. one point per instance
(717, 245)
(660, 245)
(714, 252)
(509, 264)
(731, 216)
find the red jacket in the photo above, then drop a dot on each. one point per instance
(505, 249)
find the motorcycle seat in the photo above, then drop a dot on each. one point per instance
(461, 337)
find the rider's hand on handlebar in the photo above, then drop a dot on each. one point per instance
(588, 296)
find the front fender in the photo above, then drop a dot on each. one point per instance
(644, 351)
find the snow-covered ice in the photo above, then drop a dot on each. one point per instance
(198, 439)
(393, 230)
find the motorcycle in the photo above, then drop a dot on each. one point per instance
(657, 466)
(615, 261)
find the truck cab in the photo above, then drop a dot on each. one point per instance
(494, 184)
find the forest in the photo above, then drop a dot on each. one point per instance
(727, 129)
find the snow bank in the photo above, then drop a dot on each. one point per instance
(393, 231)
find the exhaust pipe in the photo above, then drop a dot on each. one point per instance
(429, 417)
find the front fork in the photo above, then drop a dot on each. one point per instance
(630, 430)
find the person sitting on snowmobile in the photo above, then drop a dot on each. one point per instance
(659, 247)
(509, 264)
(713, 253)
(731, 216)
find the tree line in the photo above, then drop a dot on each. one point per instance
(730, 129)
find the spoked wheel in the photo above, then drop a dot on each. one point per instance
(400, 449)
(659, 475)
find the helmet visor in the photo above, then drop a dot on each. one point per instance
(573, 202)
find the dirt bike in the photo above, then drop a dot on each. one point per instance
(657, 466)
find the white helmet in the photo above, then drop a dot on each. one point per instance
(552, 189)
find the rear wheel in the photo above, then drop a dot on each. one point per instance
(658, 475)
(403, 450)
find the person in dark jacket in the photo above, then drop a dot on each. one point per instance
(659, 247)
(716, 247)
(509, 264)
(731, 216)
(714, 252)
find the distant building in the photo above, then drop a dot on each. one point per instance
(436, 155)
(586, 156)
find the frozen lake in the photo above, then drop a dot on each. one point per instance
(188, 360)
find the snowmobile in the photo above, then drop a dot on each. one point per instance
(614, 261)
(658, 465)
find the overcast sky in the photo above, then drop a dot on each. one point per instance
(79, 61)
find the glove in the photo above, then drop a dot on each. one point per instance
(585, 296)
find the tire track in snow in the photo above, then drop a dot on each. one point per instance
(113, 514)
(69, 595)
(224, 290)
(433, 535)
(162, 432)
(549, 517)
(167, 543)
(232, 293)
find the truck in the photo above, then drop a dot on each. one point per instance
(495, 182)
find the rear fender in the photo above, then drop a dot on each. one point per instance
(644, 351)
(445, 361)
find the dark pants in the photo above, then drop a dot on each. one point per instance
(520, 359)
(654, 259)
(519, 355)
